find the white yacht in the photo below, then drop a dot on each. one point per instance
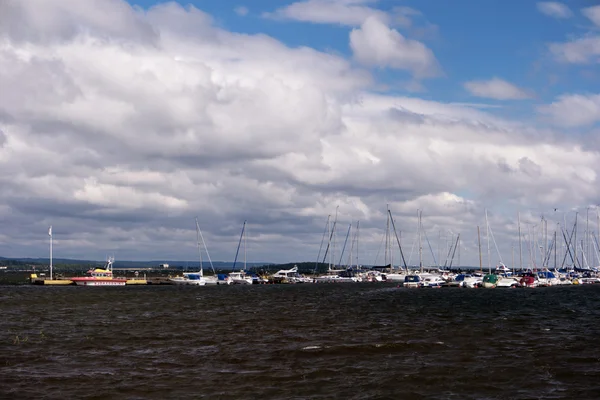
(189, 278)
(290, 276)
(240, 278)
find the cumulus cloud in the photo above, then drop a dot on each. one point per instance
(497, 89)
(119, 125)
(375, 44)
(573, 110)
(578, 51)
(582, 50)
(593, 14)
(342, 12)
(554, 9)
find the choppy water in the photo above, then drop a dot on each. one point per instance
(344, 341)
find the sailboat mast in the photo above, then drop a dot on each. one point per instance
(420, 242)
(334, 235)
(587, 233)
(520, 243)
(575, 250)
(512, 250)
(199, 249)
(245, 246)
(329, 243)
(479, 244)
(357, 232)
(459, 264)
(555, 246)
(487, 226)
(50, 233)
(387, 236)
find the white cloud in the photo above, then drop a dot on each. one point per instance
(582, 50)
(498, 89)
(118, 130)
(375, 44)
(578, 51)
(241, 10)
(554, 9)
(343, 12)
(573, 110)
(593, 13)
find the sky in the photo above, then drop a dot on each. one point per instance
(121, 122)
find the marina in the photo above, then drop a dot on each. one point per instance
(574, 269)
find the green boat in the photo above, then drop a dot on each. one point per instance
(490, 281)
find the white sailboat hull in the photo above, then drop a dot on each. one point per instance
(191, 282)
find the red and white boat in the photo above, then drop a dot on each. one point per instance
(100, 277)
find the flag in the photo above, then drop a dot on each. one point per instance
(50, 231)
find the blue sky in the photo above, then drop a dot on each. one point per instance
(472, 40)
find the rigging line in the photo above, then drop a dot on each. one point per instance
(345, 241)
(430, 248)
(321, 247)
(330, 238)
(238, 247)
(496, 245)
(397, 240)
(207, 254)
(379, 249)
(454, 252)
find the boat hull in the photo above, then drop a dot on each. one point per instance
(99, 282)
(189, 282)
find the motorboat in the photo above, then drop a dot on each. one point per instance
(290, 276)
(100, 277)
(412, 281)
(240, 278)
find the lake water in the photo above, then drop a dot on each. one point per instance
(347, 341)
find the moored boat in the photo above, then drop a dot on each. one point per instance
(490, 281)
(100, 277)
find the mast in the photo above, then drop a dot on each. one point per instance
(439, 248)
(50, 234)
(479, 244)
(555, 246)
(512, 250)
(357, 231)
(575, 250)
(458, 263)
(520, 244)
(199, 249)
(329, 232)
(544, 241)
(206, 249)
(238, 247)
(587, 233)
(334, 235)
(245, 247)
(420, 244)
(398, 241)
(487, 225)
(387, 236)
(597, 233)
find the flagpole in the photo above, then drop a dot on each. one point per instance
(50, 233)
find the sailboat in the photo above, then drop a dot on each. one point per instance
(241, 277)
(194, 278)
(392, 276)
(333, 274)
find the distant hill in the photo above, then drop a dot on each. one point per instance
(58, 262)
